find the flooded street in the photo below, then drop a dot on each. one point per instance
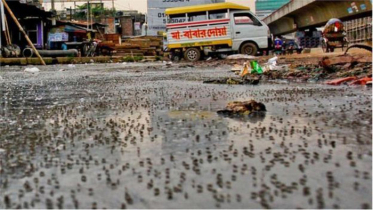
(122, 136)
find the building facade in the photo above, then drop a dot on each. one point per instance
(156, 18)
(266, 7)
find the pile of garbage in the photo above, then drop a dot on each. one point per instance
(312, 68)
(326, 68)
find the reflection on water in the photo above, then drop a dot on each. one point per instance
(252, 117)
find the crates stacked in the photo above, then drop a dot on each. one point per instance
(309, 42)
(359, 30)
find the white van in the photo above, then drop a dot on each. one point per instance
(215, 28)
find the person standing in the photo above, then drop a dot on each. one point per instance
(278, 45)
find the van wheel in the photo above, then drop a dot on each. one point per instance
(249, 49)
(176, 58)
(192, 54)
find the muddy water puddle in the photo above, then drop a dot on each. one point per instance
(109, 137)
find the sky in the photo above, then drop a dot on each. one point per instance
(140, 5)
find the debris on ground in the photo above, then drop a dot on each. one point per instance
(341, 80)
(362, 81)
(240, 56)
(247, 80)
(352, 80)
(187, 66)
(249, 75)
(272, 65)
(304, 67)
(32, 70)
(323, 68)
(365, 47)
(236, 68)
(242, 108)
(168, 64)
(256, 68)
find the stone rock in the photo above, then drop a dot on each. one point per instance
(244, 108)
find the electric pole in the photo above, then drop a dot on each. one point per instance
(87, 13)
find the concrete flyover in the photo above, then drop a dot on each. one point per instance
(303, 14)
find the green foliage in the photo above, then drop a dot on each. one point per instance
(138, 58)
(128, 59)
(133, 59)
(158, 58)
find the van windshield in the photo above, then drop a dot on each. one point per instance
(245, 18)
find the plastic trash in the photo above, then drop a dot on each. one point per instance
(32, 70)
(362, 81)
(71, 66)
(272, 65)
(273, 60)
(256, 68)
(245, 70)
(340, 80)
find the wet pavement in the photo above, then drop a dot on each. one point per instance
(122, 136)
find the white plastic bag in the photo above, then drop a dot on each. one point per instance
(32, 70)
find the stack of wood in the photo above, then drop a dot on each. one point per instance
(136, 46)
(114, 38)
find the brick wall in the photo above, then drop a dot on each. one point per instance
(127, 26)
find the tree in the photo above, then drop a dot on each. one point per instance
(96, 12)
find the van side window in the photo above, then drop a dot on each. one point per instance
(197, 16)
(245, 18)
(179, 18)
(218, 14)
